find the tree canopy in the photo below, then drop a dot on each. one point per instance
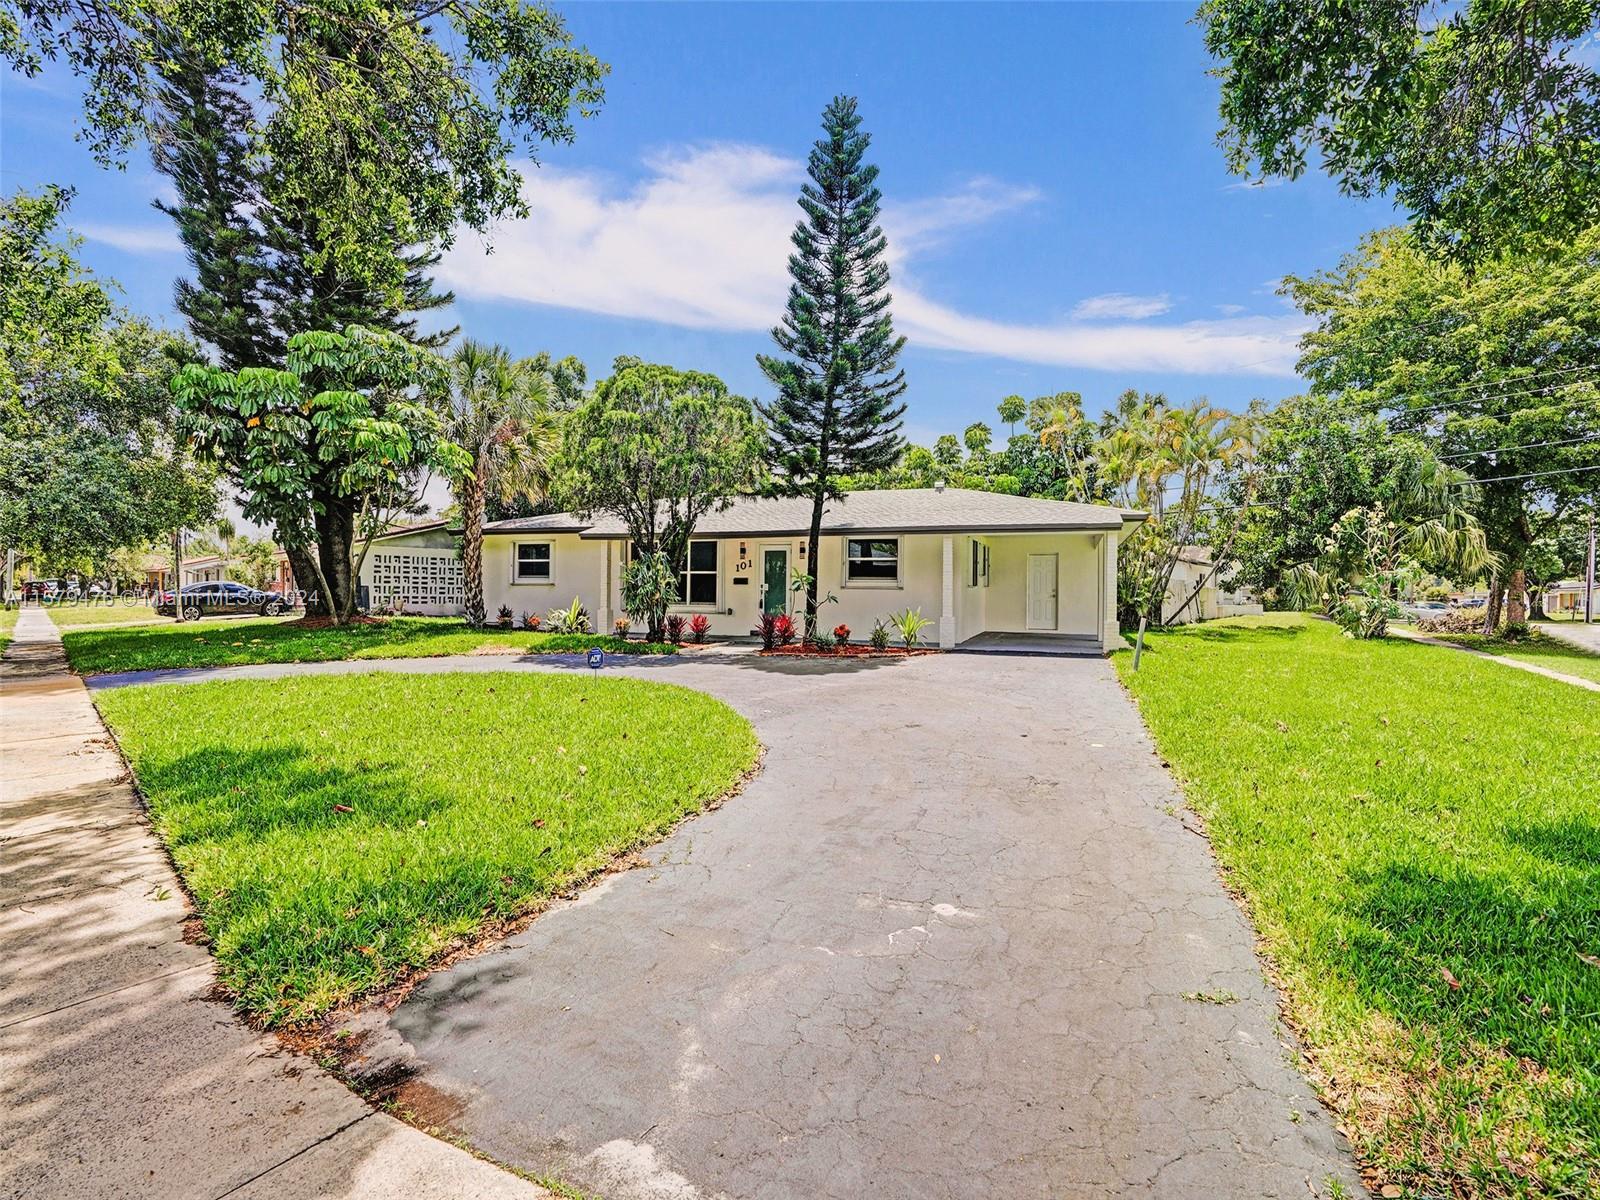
(1482, 119)
(325, 448)
(88, 464)
(1493, 369)
(393, 121)
(659, 448)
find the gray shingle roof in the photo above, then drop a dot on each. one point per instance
(906, 510)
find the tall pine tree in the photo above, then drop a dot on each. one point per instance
(837, 379)
(262, 271)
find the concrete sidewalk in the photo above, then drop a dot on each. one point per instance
(121, 1078)
(1532, 668)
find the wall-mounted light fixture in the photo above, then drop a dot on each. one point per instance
(802, 549)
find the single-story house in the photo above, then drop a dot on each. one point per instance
(206, 568)
(1195, 568)
(1565, 599)
(975, 563)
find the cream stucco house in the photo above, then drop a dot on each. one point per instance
(983, 566)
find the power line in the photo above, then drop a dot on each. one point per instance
(1524, 446)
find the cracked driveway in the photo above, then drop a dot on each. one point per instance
(938, 948)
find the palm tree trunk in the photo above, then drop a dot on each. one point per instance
(472, 550)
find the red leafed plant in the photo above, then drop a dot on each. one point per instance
(531, 620)
(699, 625)
(675, 624)
(783, 629)
(841, 633)
(769, 631)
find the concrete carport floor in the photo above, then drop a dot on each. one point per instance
(938, 948)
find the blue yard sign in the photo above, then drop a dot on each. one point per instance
(597, 658)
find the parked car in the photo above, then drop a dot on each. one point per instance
(1424, 610)
(39, 589)
(200, 599)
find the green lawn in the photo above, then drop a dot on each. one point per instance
(1538, 648)
(1416, 835)
(114, 613)
(8, 623)
(230, 641)
(338, 833)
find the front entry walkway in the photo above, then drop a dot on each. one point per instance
(952, 943)
(1063, 644)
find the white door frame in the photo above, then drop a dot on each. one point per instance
(761, 574)
(1055, 594)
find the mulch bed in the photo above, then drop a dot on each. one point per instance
(800, 651)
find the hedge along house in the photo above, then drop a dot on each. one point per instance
(989, 570)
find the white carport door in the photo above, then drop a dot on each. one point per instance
(1041, 591)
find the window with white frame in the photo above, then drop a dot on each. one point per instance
(698, 583)
(532, 563)
(872, 560)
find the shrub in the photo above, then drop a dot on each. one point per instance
(621, 627)
(573, 619)
(841, 633)
(783, 628)
(1516, 631)
(531, 620)
(506, 616)
(769, 630)
(910, 625)
(649, 585)
(675, 626)
(880, 635)
(823, 642)
(699, 626)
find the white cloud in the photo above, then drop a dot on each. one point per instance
(702, 242)
(1121, 304)
(135, 239)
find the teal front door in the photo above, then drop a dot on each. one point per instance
(775, 580)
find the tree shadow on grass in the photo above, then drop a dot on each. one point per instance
(1516, 951)
(220, 793)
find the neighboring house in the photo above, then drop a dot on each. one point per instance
(973, 562)
(208, 568)
(1565, 599)
(1194, 566)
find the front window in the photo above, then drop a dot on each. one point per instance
(698, 583)
(533, 562)
(872, 560)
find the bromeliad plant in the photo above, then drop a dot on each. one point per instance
(910, 625)
(675, 627)
(572, 619)
(880, 634)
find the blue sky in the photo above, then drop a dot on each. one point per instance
(1059, 213)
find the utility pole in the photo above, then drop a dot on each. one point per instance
(1588, 576)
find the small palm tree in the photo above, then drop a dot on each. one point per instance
(499, 411)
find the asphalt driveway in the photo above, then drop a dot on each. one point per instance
(952, 942)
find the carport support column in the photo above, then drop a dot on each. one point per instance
(602, 612)
(947, 596)
(1110, 632)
